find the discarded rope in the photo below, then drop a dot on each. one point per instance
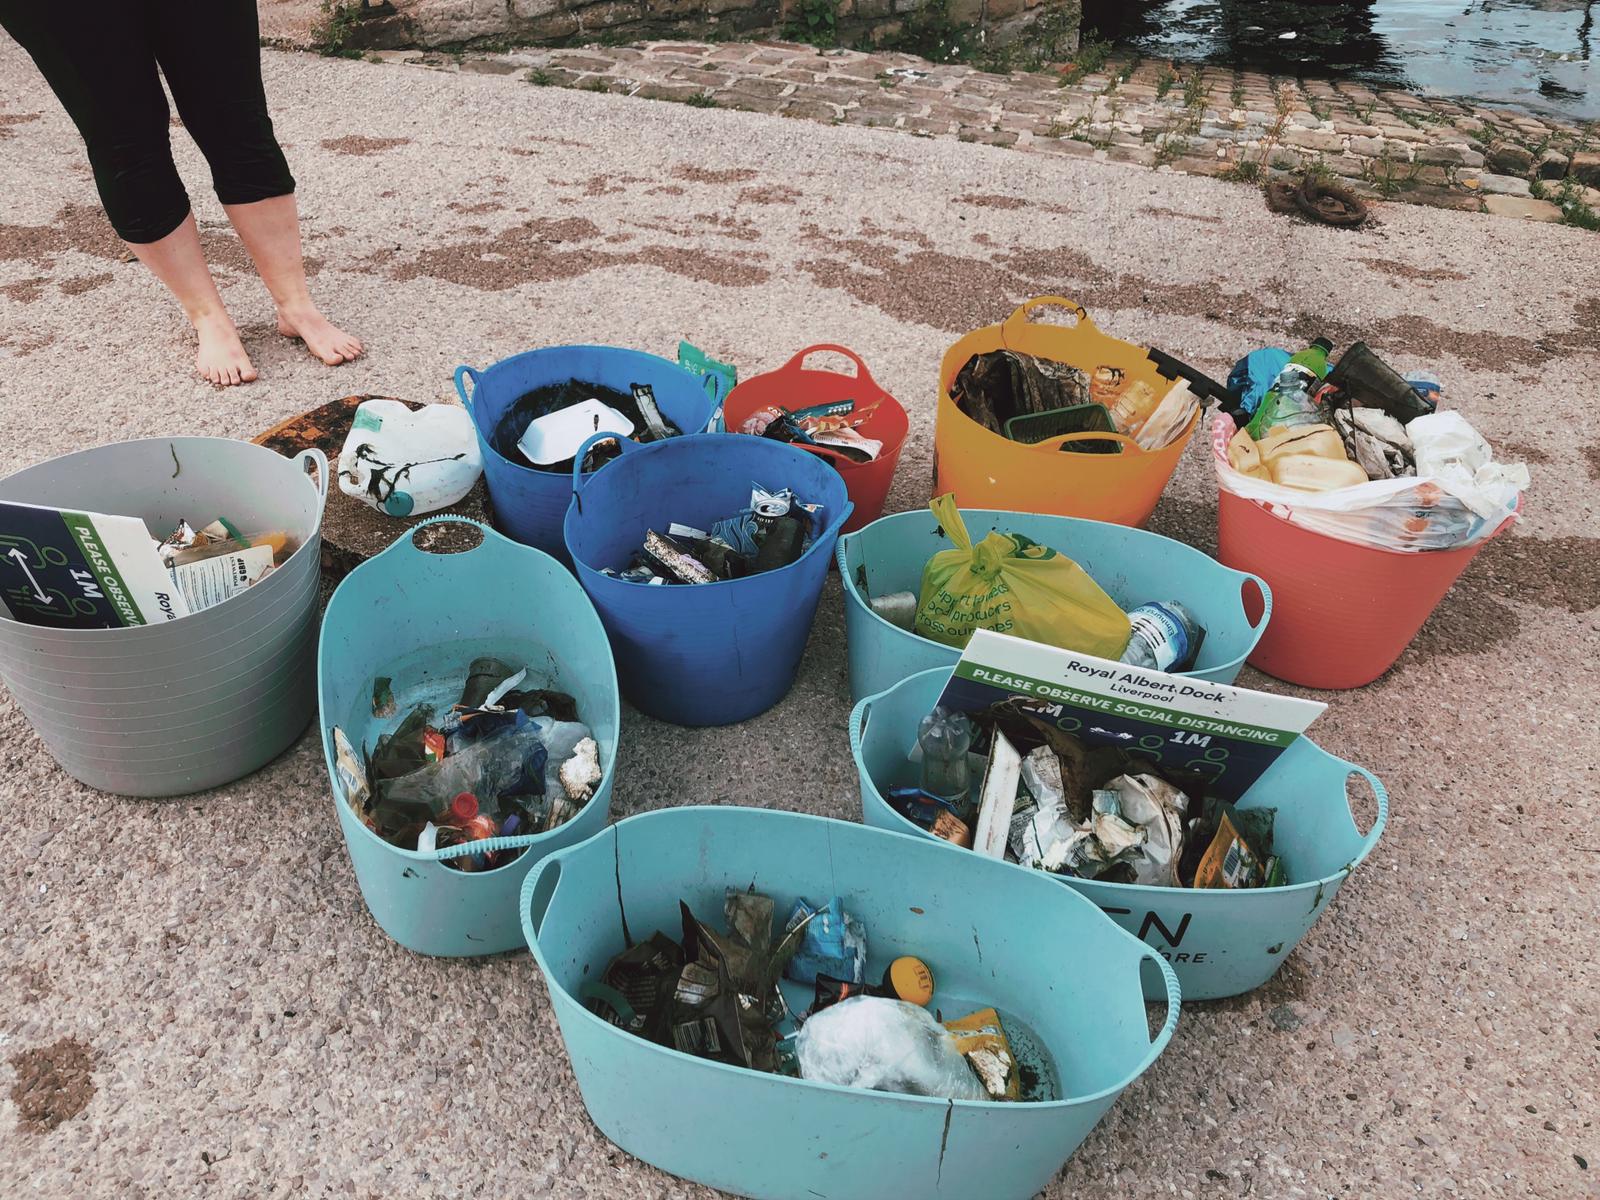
(1317, 200)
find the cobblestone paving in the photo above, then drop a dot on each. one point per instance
(1202, 120)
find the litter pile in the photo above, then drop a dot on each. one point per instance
(546, 426)
(722, 996)
(1386, 467)
(772, 532)
(1011, 584)
(98, 571)
(1051, 801)
(500, 763)
(831, 427)
(1029, 400)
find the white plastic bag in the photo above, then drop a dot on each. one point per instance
(1412, 513)
(1453, 452)
(885, 1045)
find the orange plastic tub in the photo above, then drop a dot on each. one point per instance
(1341, 613)
(792, 386)
(986, 470)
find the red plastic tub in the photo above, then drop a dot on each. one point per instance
(792, 386)
(1341, 613)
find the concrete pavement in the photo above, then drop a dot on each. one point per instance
(193, 1000)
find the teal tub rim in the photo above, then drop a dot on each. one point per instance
(630, 447)
(1145, 891)
(853, 595)
(535, 891)
(354, 826)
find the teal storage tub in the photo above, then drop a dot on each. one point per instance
(528, 503)
(420, 618)
(1132, 566)
(1221, 943)
(705, 653)
(993, 936)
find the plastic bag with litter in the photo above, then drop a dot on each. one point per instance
(1428, 511)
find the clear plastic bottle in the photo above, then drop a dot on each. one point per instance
(1307, 368)
(1165, 637)
(944, 737)
(1291, 403)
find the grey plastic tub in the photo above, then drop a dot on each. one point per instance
(164, 710)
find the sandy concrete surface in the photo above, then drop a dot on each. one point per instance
(193, 1000)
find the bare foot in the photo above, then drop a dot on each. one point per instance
(221, 358)
(321, 336)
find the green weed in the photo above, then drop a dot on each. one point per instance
(1164, 83)
(817, 22)
(331, 32)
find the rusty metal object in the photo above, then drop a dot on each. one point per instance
(352, 532)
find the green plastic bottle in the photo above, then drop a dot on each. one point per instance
(1304, 369)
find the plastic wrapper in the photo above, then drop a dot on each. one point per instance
(981, 1039)
(1158, 808)
(832, 943)
(635, 991)
(727, 1001)
(887, 1046)
(1405, 514)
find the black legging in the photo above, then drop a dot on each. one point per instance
(100, 58)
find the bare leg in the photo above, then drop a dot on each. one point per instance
(270, 230)
(178, 262)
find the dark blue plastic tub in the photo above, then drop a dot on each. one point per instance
(708, 653)
(528, 503)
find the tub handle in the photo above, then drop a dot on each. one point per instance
(797, 363)
(1174, 1005)
(1245, 580)
(316, 458)
(541, 889)
(1019, 318)
(464, 372)
(410, 538)
(858, 723)
(1381, 795)
(1091, 435)
(495, 843)
(628, 445)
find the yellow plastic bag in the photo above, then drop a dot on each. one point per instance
(1011, 584)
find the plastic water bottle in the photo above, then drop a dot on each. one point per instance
(1165, 637)
(944, 737)
(1291, 404)
(1305, 368)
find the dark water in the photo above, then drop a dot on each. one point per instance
(1535, 54)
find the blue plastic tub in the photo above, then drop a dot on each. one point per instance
(1060, 974)
(709, 653)
(421, 618)
(1221, 943)
(528, 504)
(1131, 565)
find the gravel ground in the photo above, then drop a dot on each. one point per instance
(193, 1000)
